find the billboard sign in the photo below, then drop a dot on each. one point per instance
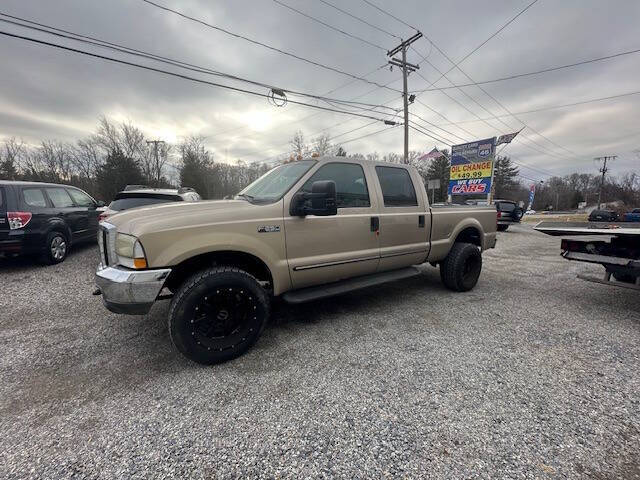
(472, 167)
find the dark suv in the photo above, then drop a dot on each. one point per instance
(508, 213)
(45, 219)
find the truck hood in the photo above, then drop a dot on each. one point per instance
(178, 215)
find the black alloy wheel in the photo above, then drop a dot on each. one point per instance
(218, 314)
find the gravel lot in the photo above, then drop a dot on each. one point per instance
(534, 374)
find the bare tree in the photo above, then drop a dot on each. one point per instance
(323, 146)
(298, 146)
(11, 157)
(86, 157)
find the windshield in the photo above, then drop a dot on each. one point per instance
(275, 183)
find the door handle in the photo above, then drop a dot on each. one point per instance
(420, 221)
(375, 224)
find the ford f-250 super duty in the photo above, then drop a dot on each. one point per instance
(304, 230)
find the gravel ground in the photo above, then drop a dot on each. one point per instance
(533, 374)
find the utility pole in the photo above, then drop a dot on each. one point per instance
(604, 171)
(406, 69)
(155, 156)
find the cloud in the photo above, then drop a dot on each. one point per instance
(46, 93)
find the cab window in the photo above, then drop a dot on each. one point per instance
(351, 184)
(397, 187)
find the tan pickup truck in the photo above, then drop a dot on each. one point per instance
(303, 231)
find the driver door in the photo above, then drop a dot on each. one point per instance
(323, 249)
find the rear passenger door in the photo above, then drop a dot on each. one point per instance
(404, 221)
(63, 207)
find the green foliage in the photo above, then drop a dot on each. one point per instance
(117, 172)
(505, 178)
(439, 169)
(8, 170)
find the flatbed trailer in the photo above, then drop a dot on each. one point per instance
(614, 245)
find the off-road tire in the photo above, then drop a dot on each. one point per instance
(502, 228)
(208, 292)
(56, 248)
(461, 269)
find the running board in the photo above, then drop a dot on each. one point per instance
(345, 286)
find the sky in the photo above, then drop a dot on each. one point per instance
(47, 93)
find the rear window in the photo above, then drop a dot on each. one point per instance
(506, 207)
(133, 202)
(34, 197)
(397, 187)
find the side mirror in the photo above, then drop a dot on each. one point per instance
(324, 201)
(100, 203)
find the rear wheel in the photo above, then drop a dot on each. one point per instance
(502, 228)
(461, 269)
(56, 248)
(218, 314)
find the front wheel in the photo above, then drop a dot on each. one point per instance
(218, 314)
(502, 228)
(460, 270)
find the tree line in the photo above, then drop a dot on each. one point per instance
(119, 154)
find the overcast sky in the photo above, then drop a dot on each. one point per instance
(46, 93)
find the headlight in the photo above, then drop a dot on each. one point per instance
(130, 251)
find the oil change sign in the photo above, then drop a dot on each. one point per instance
(471, 167)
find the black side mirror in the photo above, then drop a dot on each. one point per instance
(324, 201)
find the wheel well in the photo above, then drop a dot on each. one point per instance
(469, 235)
(245, 261)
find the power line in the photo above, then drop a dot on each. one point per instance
(328, 25)
(262, 44)
(456, 65)
(546, 151)
(551, 107)
(359, 19)
(275, 157)
(316, 113)
(537, 72)
(492, 35)
(319, 113)
(388, 14)
(413, 126)
(179, 75)
(170, 61)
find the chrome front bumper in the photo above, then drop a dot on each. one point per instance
(129, 291)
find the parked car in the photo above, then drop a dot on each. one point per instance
(603, 216)
(134, 196)
(508, 213)
(349, 224)
(632, 216)
(45, 219)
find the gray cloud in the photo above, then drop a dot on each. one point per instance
(47, 94)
